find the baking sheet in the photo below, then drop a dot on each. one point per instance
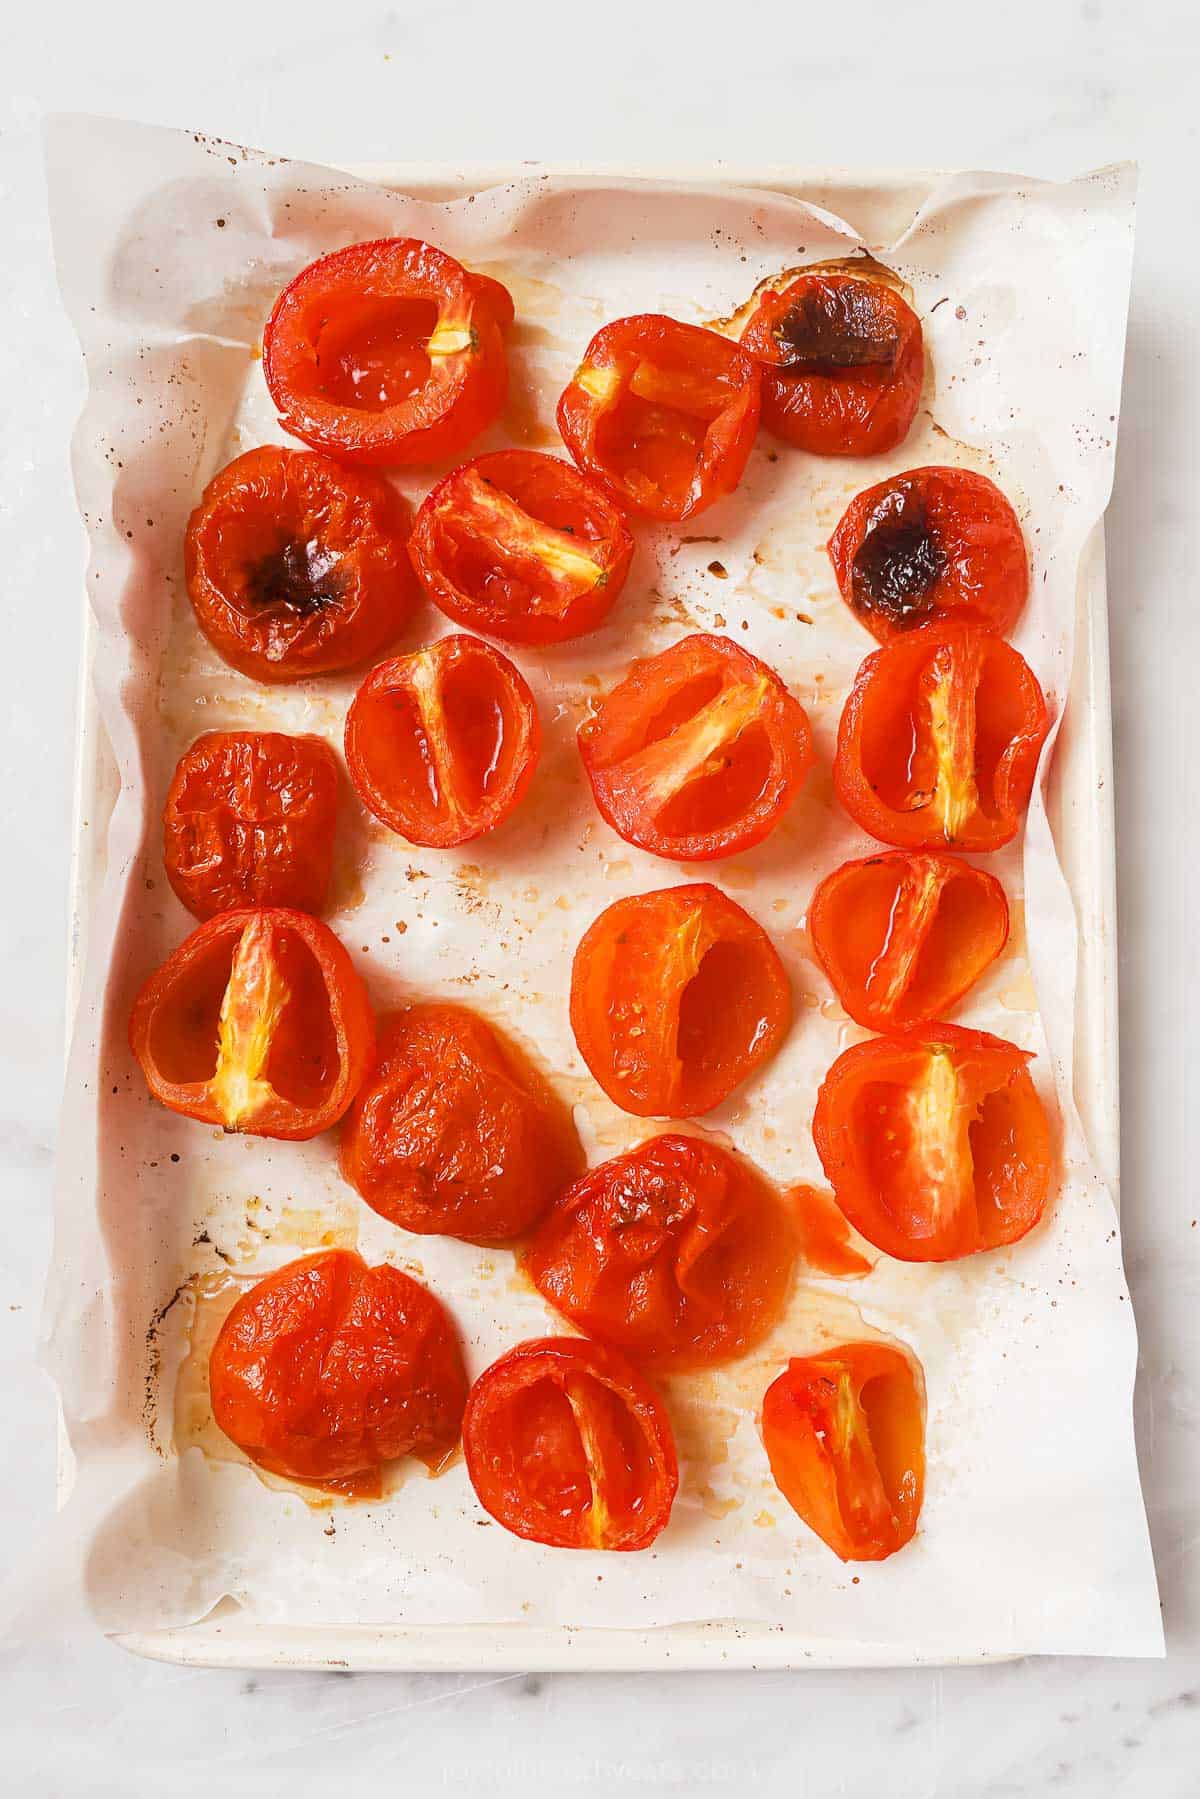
(1032, 1535)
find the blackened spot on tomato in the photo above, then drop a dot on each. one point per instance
(899, 561)
(828, 328)
(303, 577)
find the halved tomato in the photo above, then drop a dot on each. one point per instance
(698, 752)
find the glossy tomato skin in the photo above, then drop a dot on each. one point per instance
(904, 936)
(388, 353)
(677, 997)
(258, 1022)
(296, 566)
(935, 1142)
(844, 1433)
(698, 752)
(662, 414)
(522, 546)
(566, 1444)
(929, 545)
(938, 743)
(843, 362)
(442, 744)
(249, 821)
(678, 1252)
(327, 1369)
(455, 1132)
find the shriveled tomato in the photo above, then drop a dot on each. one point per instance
(327, 1369)
(523, 546)
(844, 1433)
(297, 566)
(455, 1131)
(935, 1142)
(934, 543)
(939, 740)
(388, 352)
(442, 744)
(249, 821)
(677, 997)
(566, 1444)
(678, 1252)
(663, 414)
(843, 362)
(825, 1245)
(698, 752)
(903, 936)
(257, 1022)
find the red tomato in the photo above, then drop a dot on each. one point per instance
(296, 566)
(935, 543)
(663, 414)
(939, 740)
(566, 1444)
(845, 1436)
(455, 1132)
(935, 1142)
(249, 821)
(442, 744)
(327, 1369)
(677, 997)
(698, 752)
(522, 546)
(677, 1252)
(388, 353)
(257, 1022)
(843, 363)
(903, 936)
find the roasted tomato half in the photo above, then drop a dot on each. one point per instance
(249, 821)
(523, 546)
(677, 1252)
(388, 352)
(566, 1444)
(939, 741)
(903, 936)
(455, 1132)
(935, 543)
(935, 1142)
(442, 744)
(327, 1369)
(845, 1436)
(663, 414)
(698, 752)
(677, 997)
(257, 1022)
(297, 566)
(843, 362)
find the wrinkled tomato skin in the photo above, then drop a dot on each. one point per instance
(455, 1132)
(297, 566)
(346, 360)
(249, 820)
(492, 569)
(904, 936)
(318, 1049)
(965, 790)
(837, 410)
(678, 1252)
(677, 997)
(647, 447)
(566, 1444)
(720, 778)
(326, 1369)
(930, 545)
(935, 1142)
(844, 1433)
(442, 744)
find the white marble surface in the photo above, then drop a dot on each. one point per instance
(1035, 85)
